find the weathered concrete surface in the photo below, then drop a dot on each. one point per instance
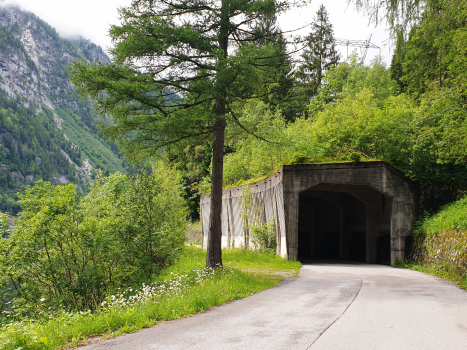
(330, 306)
(367, 182)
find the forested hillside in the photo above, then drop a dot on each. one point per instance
(47, 132)
(411, 114)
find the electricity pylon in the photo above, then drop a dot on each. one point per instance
(364, 45)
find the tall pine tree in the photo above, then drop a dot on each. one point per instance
(178, 67)
(319, 54)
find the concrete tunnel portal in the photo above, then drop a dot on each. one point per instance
(360, 212)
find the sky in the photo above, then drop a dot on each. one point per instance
(92, 19)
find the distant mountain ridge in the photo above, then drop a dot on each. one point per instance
(37, 102)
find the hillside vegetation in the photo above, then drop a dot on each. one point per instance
(440, 244)
(47, 132)
(31, 149)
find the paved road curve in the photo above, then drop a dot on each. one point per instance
(330, 306)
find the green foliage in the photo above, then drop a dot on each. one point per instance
(399, 14)
(431, 66)
(355, 123)
(30, 147)
(182, 47)
(443, 270)
(398, 58)
(66, 253)
(300, 158)
(97, 150)
(355, 157)
(188, 297)
(355, 111)
(359, 124)
(276, 85)
(349, 78)
(192, 158)
(144, 112)
(450, 217)
(254, 158)
(263, 236)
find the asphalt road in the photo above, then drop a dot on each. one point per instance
(330, 306)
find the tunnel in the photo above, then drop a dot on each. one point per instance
(347, 211)
(344, 222)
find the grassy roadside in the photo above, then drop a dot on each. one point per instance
(445, 271)
(439, 246)
(182, 290)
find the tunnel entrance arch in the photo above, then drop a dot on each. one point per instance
(384, 224)
(345, 222)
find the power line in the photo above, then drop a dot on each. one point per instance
(364, 45)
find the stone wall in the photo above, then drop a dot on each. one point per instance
(447, 247)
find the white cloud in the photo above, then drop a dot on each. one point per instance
(92, 20)
(88, 18)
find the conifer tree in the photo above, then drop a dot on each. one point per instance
(276, 70)
(319, 54)
(178, 66)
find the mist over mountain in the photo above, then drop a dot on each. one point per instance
(46, 131)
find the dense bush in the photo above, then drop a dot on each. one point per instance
(66, 252)
(354, 112)
(263, 236)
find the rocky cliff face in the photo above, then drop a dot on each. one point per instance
(37, 70)
(33, 73)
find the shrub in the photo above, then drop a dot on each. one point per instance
(68, 253)
(263, 236)
(450, 217)
(300, 158)
(355, 157)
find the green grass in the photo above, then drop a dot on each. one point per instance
(246, 273)
(445, 271)
(439, 250)
(451, 217)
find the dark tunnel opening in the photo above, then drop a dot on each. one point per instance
(344, 222)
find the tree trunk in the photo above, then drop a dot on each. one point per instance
(214, 254)
(214, 249)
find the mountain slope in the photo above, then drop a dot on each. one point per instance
(46, 131)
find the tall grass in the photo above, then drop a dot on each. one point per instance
(442, 270)
(183, 289)
(450, 217)
(440, 244)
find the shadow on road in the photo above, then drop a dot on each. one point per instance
(338, 263)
